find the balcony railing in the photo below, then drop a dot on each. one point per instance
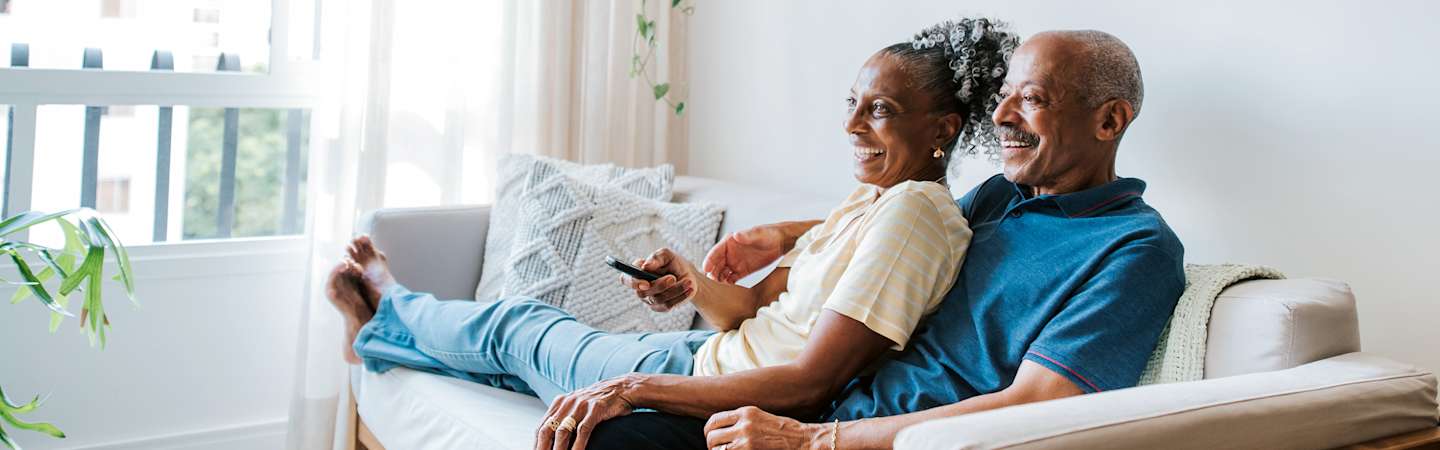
(291, 215)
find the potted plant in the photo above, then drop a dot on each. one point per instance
(75, 270)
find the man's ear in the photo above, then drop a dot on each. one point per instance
(1115, 117)
(949, 128)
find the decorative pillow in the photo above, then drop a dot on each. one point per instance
(515, 172)
(566, 228)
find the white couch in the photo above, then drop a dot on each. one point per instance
(1283, 367)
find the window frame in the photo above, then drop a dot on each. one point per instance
(289, 84)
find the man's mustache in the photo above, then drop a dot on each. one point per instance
(1008, 133)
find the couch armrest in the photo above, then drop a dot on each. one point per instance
(1338, 401)
(437, 250)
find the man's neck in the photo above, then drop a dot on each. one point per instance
(1076, 184)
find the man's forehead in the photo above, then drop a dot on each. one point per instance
(1036, 62)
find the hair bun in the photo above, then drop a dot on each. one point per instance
(978, 50)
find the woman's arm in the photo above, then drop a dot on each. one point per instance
(838, 349)
(724, 305)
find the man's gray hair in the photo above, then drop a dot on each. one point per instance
(1110, 70)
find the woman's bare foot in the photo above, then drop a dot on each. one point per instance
(376, 270)
(344, 290)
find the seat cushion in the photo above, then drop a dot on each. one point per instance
(1264, 325)
(410, 409)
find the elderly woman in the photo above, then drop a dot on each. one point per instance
(855, 285)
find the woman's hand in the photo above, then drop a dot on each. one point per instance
(679, 281)
(585, 409)
(752, 428)
(743, 252)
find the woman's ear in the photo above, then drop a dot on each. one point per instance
(949, 128)
(1115, 117)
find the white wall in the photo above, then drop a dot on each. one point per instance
(1294, 134)
(206, 361)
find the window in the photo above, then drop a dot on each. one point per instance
(129, 31)
(163, 156)
(4, 6)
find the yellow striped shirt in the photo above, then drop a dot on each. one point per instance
(885, 257)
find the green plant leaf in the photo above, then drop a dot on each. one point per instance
(8, 409)
(5, 438)
(641, 24)
(661, 89)
(674, 3)
(40, 427)
(74, 246)
(679, 108)
(122, 258)
(98, 321)
(91, 265)
(28, 219)
(38, 289)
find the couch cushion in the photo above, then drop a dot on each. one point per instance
(1333, 402)
(1264, 325)
(518, 172)
(410, 409)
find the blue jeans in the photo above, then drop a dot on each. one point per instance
(519, 344)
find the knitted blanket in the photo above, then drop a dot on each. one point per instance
(1180, 354)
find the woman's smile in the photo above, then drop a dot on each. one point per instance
(865, 155)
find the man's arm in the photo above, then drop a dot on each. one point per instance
(1033, 383)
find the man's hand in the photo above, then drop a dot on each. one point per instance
(752, 428)
(585, 409)
(742, 253)
(678, 284)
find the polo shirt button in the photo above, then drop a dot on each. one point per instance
(1015, 213)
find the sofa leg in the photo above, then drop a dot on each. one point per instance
(364, 439)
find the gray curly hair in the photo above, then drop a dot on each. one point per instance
(962, 62)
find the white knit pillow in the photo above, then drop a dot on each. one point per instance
(566, 229)
(515, 172)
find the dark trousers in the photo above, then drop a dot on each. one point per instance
(649, 431)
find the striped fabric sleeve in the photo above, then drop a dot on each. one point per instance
(891, 280)
(788, 260)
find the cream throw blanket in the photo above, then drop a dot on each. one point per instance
(1180, 355)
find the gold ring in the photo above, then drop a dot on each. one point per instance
(551, 423)
(567, 425)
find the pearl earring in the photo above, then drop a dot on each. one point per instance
(938, 153)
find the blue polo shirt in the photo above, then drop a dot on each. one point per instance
(1081, 283)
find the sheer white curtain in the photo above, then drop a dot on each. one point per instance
(426, 95)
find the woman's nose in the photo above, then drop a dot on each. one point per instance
(855, 122)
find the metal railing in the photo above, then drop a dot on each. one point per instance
(291, 221)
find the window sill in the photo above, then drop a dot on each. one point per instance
(212, 258)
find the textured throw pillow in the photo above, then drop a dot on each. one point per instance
(515, 172)
(566, 229)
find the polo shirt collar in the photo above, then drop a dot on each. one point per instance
(1093, 201)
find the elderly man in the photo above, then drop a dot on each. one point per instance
(1069, 281)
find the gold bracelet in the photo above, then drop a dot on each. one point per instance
(835, 435)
